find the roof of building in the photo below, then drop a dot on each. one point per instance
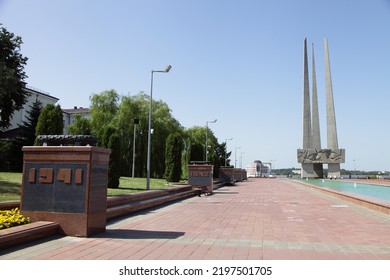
(76, 110)
(39, 91)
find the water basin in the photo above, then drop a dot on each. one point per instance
(367, 191)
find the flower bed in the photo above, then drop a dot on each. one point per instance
(11, 218)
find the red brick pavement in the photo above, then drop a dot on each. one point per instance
(259, 219)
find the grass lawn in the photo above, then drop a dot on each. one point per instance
(11, 184)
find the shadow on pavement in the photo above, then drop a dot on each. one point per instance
(139, 234)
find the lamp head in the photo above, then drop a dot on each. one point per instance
(168, 68)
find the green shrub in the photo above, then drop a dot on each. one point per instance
(173, 152)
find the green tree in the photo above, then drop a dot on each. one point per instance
(5, 155)
(80, 126)
(110, 139)
(197, 137)
(50, 121)
(114, 170)
(109, 109)
(196, 143)
(104, 107)
(173, 153)
(196, 152)
(219, 158)
(29, 127)
(130, 108)
(26, 138)
(12, 76)
(164, 124)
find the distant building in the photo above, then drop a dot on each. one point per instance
(45, 98)
(297, 171)
(69, 116)
(257, 169)
(22, 114)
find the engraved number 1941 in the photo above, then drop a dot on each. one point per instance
(46, 175)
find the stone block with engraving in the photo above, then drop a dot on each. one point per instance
(67, 185)
(226, 174)
(200, 175)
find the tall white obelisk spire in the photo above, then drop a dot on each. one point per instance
(306, 103)
(330, 111)
(312, 156)
(315, 123)
(333, 168)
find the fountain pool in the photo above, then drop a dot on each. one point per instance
(368, 191)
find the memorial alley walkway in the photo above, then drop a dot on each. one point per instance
(257, 219)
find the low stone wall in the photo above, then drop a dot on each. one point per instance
(26, 233)
(8, 205)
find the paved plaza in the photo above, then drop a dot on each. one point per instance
(258, 219)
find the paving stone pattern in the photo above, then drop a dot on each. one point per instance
(257, 219)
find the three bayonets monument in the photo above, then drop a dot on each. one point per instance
(312, 156)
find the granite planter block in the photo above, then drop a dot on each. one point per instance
(200, 175)
(66, 185)
(226, 174)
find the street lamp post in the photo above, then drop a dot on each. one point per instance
(272, 165)
(166, 70)
(135, 122)
(228, 139)
(235, 156)
(242, 153)
(207, 140)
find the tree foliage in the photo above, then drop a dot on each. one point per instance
(12, 76)
(109, 111)
(130, 108)
(29, 127)
(11, 150)
(25, 138)
(112, 140)
(114, 170)
(50, 121)
(80, 126)
(5, 155)
(197, 152)
(163, 125)
(196, 137)
(196, 147)
(173, 153)
(104, 107)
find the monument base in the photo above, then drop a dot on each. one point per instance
(334, 170)
(312, 170)
(313, 159)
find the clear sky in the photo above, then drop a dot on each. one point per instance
(240, 62)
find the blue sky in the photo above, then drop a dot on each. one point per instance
(240, 62)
